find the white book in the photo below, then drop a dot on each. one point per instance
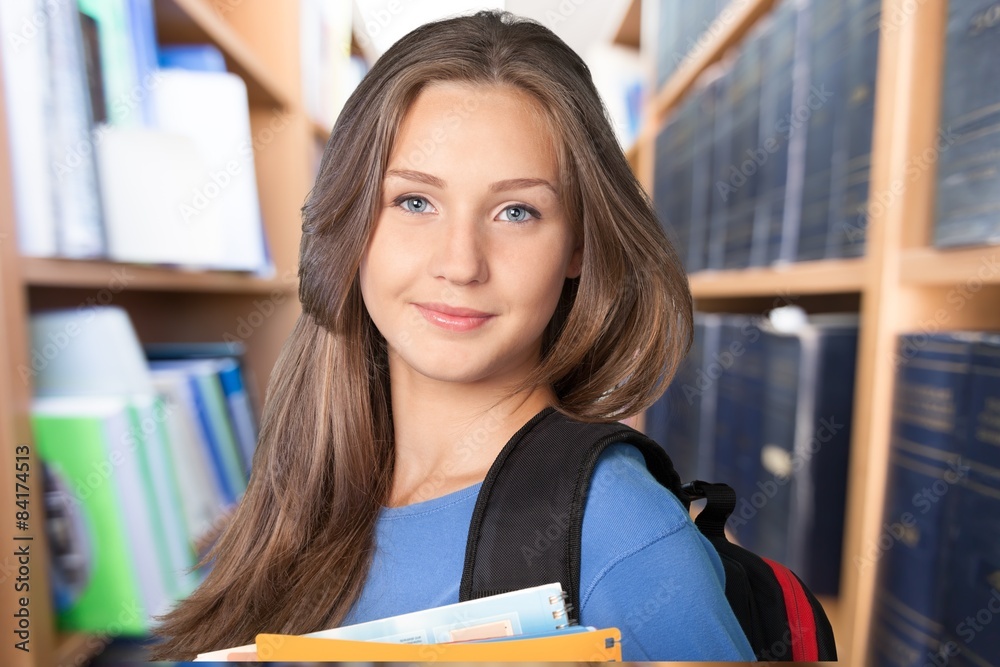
(148, 178)
(25, 75)
(71, 151)
(211, 109)
(201, 499)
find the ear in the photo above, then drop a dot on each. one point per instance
(575, 267)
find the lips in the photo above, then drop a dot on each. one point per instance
(451, 318)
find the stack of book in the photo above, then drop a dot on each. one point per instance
(120, 149)
(765, 405)
(142, 459)
(967, 147)
(530, 623)
(938, 553)
(767, 159)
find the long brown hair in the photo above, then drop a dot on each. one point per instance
(295, 556)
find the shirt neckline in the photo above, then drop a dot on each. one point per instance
(429, 505)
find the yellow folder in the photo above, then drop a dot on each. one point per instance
(595, 646)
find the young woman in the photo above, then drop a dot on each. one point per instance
(475, 249)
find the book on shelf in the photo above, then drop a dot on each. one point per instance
(530, 623)
(850, 225)
(778, 166)
(115, 158)
(938, 553)
(765, 405)
(330, 73)
(967, 204)
(823, 150)
(141, 464)
(741, 187)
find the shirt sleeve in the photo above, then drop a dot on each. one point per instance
(669, 603)
(649, 572)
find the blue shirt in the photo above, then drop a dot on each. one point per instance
(644, 567)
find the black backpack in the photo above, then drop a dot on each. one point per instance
(529, 491)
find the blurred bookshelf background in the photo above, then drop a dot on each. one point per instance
(828, 169)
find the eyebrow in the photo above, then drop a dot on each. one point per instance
(499, 186)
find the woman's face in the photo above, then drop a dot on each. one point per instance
(472, 245)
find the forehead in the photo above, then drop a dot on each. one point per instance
(474, 128)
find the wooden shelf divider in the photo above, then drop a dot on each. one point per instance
(828, 276)
(96, 274)
(940, 267)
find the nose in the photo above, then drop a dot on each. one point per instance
(460, 253)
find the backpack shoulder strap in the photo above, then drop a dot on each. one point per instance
(527, 523)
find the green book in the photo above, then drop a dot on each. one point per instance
(109, 576)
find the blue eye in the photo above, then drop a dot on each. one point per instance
(520, 213)
(419, 204)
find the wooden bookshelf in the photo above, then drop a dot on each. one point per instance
(933, 267)
(77, 274)
(819, 277)
(165, 304)
(902, 284)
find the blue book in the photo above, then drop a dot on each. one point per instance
(675, 420)
(984, 402)
(826, 74)
(972, 588)
(142, 28)
(728, 404)
(703, 98)
(663, 176)
(742, 179)
(722, 132)
(198, 57)
(747, 431)
(776, 130)
(929, 435)
(858, 118)
(214, 422)
(240, 409)
(801, 492)
(968, 167)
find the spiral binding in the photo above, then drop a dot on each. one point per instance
(564, 612)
